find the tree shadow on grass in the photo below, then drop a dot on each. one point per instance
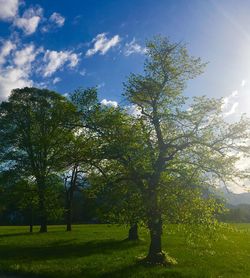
(134, 270)
(63, 249)
(14, 235)
(138, 270)
(70, 249)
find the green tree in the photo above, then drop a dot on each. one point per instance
(35, 126)
(116, 145)
(179, 136)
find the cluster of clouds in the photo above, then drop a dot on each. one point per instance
(21, 64)
(55, 60)
(29, 21)
(102, 44)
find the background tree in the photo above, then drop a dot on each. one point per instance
(35, 124)
(25, 194)
(116, 146)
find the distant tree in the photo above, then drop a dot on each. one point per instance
(119, 200)
(113, 140)
(81, 156)
(35, 125)
(74, 181)
(25, 194)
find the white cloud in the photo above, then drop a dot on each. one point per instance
(6, 49)
(82, 72)
(101, 85)
(134, 48)
(55, 60)
(133, 110)
(56, 80)
(8, 9)
(243, 83)
(58, 19)
(110, 103)
(17, 74)
(232, 109)
(11, 78)
(26, 56)
(102, 44)
(30, 20)
(227, 103)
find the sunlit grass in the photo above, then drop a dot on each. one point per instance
(100, 251)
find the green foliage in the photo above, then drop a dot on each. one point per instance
(188, 149)
(35, 125)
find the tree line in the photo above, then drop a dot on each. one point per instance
(151, 167)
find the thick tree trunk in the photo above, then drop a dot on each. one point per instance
(31, 228)
(42, 210)
(155, 254)
(133, 232)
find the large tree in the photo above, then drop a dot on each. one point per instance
(35, 125)
(181, 137)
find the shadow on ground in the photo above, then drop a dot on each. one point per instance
(71, 249)
(63, 249)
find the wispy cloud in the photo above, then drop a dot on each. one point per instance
(55, 60)
(134, 48)
(243, 83)
(82, 72)
(28, 23)
(102, 44)
(57, 18)
(229, 104)
(56, 80)
(232, 109)
(55, 21)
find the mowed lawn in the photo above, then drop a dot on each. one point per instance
(100, 251)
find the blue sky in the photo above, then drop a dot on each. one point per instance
(62, 45)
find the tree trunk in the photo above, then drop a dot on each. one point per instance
(69, 218)
(31, 219)
(69, 227)
(133, 232)
(155, 254)
(69, 200)
(42, 210)
(43, 226)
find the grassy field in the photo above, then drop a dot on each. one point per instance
(100, 251)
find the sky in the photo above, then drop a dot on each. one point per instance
(64, 45)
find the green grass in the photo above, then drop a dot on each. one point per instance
(100, 251)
